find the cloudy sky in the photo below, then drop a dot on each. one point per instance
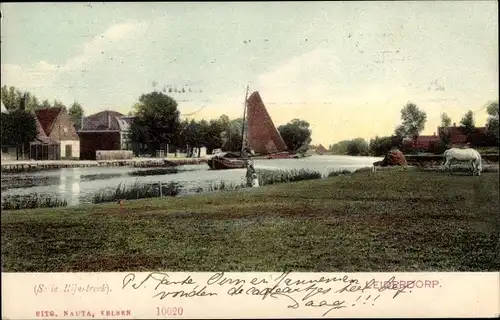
(347, 68)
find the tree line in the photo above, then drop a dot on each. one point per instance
(157, 123)
(412, 124)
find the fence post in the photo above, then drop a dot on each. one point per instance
(161, 191)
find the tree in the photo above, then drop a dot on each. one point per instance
(339, 147)
(445, 120)
(156, 120)
(492, 122)
(11, 97)
(379, 146)
(76, 114)
(357, 147)
(211, 133)
(18, 129)
(231, 133)
(467, 124)
(444, 134)
(296, 134)
(413, 121)
(45, 104)
(59, 104)
(190, 135)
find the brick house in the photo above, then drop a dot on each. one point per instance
(425, 141)
(457, 138)
(55, 128)
(105, 130)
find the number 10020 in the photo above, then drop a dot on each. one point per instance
(169, 311)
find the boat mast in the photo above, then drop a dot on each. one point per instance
(243, 124)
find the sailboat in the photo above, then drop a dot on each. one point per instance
(261, 139)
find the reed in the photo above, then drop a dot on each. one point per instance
(222, 185)
(267, 177)
(137, 191)
(31, 201)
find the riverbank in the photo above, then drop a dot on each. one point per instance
(34, 165)
(437, 159)
(383, 221)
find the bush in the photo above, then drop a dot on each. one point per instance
(379, 147)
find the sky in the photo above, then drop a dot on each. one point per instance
(345, 67)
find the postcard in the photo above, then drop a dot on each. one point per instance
(250, 160)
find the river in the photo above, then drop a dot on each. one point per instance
(78, 185)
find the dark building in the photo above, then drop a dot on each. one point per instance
(105, 130)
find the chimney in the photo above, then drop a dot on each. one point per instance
(109, 121)
(454, 124)
(434, 134)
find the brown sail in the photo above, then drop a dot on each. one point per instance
(261, 134)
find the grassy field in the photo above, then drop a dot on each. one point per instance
(383, 221)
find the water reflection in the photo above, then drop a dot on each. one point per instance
(77, 185)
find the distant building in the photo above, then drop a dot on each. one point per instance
(320, 149)
(57, 133)
(424, 142)
(105, 130)
(456, 136)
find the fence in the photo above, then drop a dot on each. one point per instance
(114, 154)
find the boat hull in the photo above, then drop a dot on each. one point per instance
(221, 163)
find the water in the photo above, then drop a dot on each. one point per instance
(78, 185)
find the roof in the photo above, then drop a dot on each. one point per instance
(425, 141)
(124, 122)
(104, 120)
(320, 149)
(47, 117)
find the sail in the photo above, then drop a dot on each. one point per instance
(261, 135)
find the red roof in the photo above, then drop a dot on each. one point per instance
(47, 117)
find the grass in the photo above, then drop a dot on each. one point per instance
(364, 222)
(335, 173)
(31, 201)
(136, 191)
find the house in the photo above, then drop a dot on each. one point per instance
(424, 142)
(57, 132)
(457, 136)
(43, 147)
(105, 130)
(320, 149)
